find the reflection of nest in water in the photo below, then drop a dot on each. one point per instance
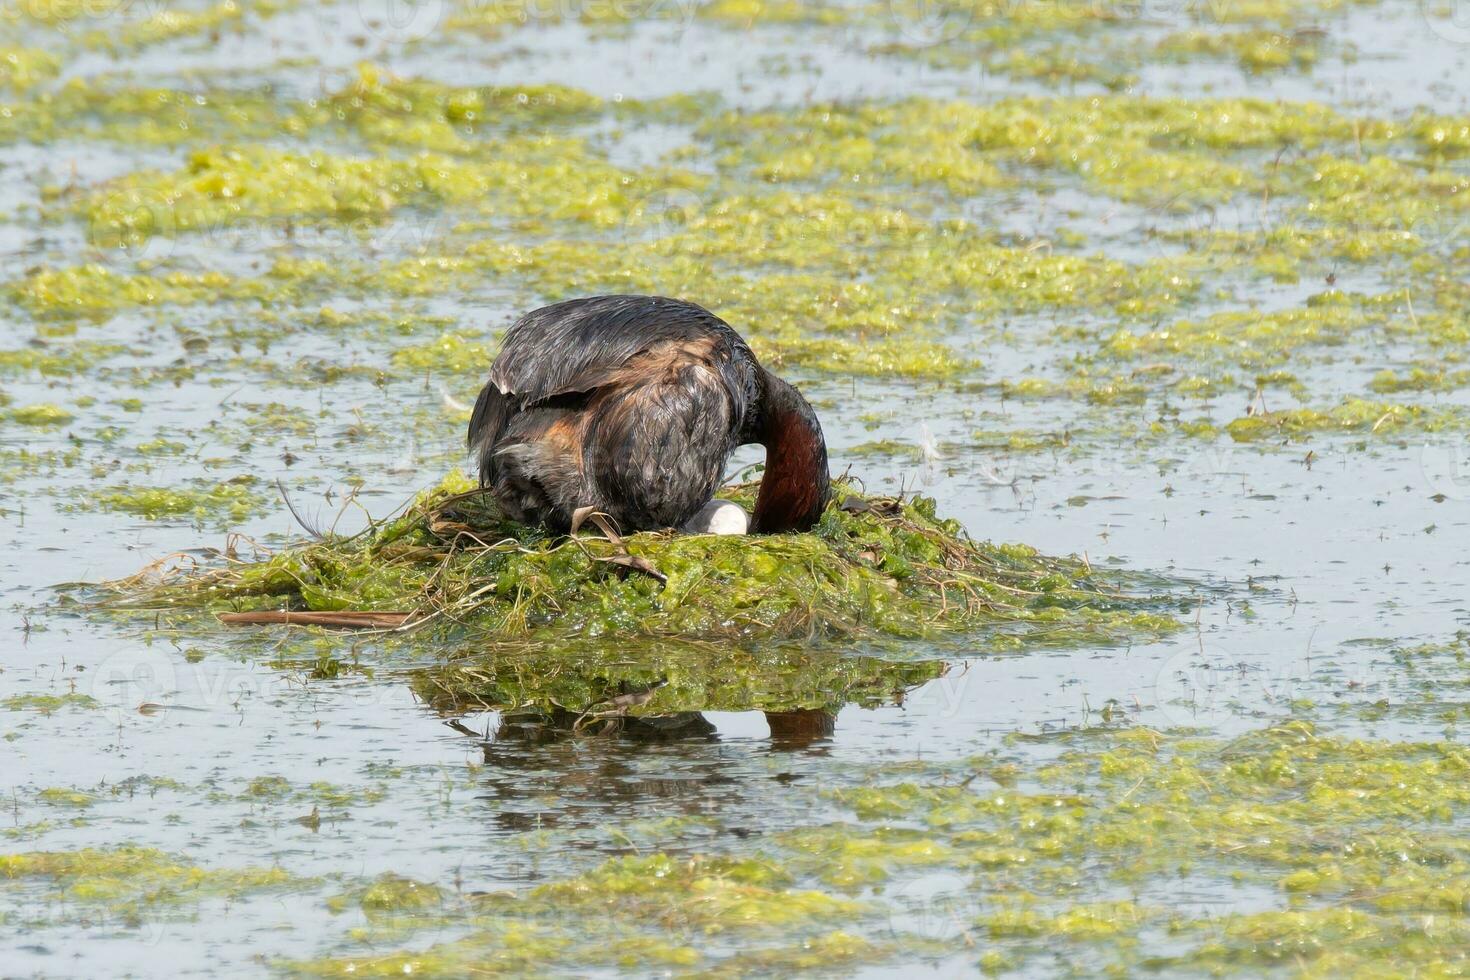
(874, 567)
(598, 690)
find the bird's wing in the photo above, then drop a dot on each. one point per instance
(487, 421)
(583, 344)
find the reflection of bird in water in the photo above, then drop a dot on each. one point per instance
(632, 405)
(799, 725)
(788, 728)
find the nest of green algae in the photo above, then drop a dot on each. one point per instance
(873, 567)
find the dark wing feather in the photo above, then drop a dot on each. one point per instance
(489, 414)
(579, 345)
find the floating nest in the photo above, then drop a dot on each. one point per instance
(449, 563)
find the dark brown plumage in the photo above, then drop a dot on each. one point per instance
(633, 405)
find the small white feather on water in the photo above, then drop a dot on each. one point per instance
(928, 445)
(452, 403)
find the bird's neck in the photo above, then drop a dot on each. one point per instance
(796, 484)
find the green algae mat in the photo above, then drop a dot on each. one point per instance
(873, 567)
(1077, 859)
(1082, 858)
(698, 622)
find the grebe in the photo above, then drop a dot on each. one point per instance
(633, 405)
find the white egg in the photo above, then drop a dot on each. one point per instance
(719, 517)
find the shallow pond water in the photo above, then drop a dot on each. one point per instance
(1193, 311)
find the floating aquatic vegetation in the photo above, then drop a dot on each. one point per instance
(745, 13)
(632, 912)
(873, 145)
(1284, 251)
(95, 291)
(1102, 42)
(1253, 340)
(1352, 415)
(228, 185)
(1059, 63)
(1384, 192)
(392, 895)
(890, 241)
(47, 703)
(491, 20)
(1361, 191)
(63, 12)
(427, 115)
(217, 505)
(166, 25)
(450, 352)
(1254, 50)
(874, 567)
(1419, 379)
(20, 68)
(127, 881)
(529, 179)
(60, 796)
(1348, 847)
(828, 271)
(102, 109)
(40, 415)
(57, 360)
(964, 23)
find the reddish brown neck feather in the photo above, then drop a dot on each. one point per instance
(795, 485)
